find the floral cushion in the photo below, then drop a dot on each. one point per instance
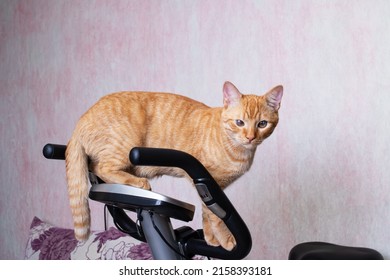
(49, 242)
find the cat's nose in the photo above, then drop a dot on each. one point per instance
(250, 138)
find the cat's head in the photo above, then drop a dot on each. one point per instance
(249, 119)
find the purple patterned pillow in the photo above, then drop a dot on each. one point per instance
(48, 242)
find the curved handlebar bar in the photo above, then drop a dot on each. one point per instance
(208, 189)
(211, 194)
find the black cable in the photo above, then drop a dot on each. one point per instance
(123, 230)
(117, 225)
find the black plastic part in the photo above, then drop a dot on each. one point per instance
(329, 251)
(199, 174)
(185, 233)
(54, 151)
(124, 223)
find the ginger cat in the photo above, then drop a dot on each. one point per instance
(223, 139)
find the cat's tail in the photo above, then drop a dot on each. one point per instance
(78, 184)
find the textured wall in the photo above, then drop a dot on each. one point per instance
(323, 175)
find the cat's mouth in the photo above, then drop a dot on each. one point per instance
(251, 144)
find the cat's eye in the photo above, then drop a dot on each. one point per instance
(240, 123)
(262, 124)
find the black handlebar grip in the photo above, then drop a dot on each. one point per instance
(169, 158)
(54, 151)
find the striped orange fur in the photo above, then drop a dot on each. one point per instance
(224, 139)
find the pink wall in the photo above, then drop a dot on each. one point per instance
(323, 175)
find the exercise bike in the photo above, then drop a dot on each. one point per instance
(155, 211)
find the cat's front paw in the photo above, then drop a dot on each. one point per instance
(144, 184)
(227, 241)
(217, 234)
(209, 236)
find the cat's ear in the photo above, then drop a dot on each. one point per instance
(231, 95)
(274, 97)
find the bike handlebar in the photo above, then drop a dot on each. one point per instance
(209, 191)
(211, 194)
